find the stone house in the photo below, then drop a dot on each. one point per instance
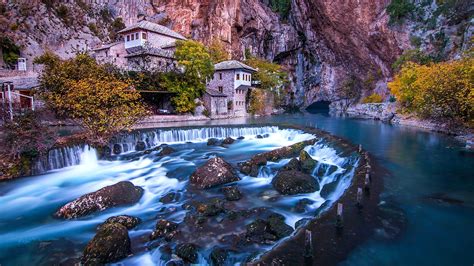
(144, 45)
(234, 80)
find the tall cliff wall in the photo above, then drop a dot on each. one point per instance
(324, 44)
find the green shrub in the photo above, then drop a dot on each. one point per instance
(93, 27)
(399, 10)
(10, 51)
(62, 12)
(415, 55)
(373, 98)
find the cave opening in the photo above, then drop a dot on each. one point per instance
(319, 107)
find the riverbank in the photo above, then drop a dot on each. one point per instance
(387, 113)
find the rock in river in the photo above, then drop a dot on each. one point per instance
(165, 229)
(122, 193)
(110, 244)
(188, 252)
(129, 222)
(290, 182)
(232, 193)
(214, 172)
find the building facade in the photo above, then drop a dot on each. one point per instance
(145, 45)
(233, 79)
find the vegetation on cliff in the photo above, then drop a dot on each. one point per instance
(442, 90)
(90, 94)
(271, 77)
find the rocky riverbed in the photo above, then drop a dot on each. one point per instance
(221, 195)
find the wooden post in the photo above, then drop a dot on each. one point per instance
(360, 148)
(308, 248)
(359, 198)
(339, 219)
(367, 184)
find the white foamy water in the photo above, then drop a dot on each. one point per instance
(29, 203)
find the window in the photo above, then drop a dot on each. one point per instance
(136, 36)
(144, 35)
(238, 77)
(132, 37)
(118, 55)
(128, 38)
(221, 89)
(220, 76)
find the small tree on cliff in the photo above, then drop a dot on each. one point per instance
(190, 83)
(271, 76)
(82, 90)
(218, 52)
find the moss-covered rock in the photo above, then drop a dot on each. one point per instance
(122, 193)
(110, 244)
(251, 166)
(290, 182)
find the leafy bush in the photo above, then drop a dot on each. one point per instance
(283, 7)
(62, 12)
(82, 90)
(399, 10)
(10, 51)
(189, 84)
(373, 98)
(439, 90)
(93, 28)
(257, 100)
(415, 55)
(218, 52)
(116, 26)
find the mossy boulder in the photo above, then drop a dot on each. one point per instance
(164, 229)
(129, 222)
(214, 172)
(188, 252)
(122, 193)
(251, 166)
(291, 182)
(308, 164)
(110, 244)
(232, 193)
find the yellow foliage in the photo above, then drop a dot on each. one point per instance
(441, 90)
(257, 102)
(82, 90)
(373, 98)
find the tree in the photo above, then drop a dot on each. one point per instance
(10, 51)
(90, 94)
(218, 52)
(271, 77)
(440, 90)
(189, 84)
(349, 93)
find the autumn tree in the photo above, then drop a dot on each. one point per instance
(271, 77)
(218, 52)
(190, 83)
(439, 90)
(90, 94)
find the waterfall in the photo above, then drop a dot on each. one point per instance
(153, 138)
(66, 157)
(84, 155)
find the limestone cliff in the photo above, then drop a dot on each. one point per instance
(326, 45)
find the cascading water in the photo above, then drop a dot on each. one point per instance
(66, 157)
(29, 205)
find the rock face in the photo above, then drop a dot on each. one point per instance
(122, 193)
(110, 244)
(214, 172)
(324, 44)
(290, 182)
